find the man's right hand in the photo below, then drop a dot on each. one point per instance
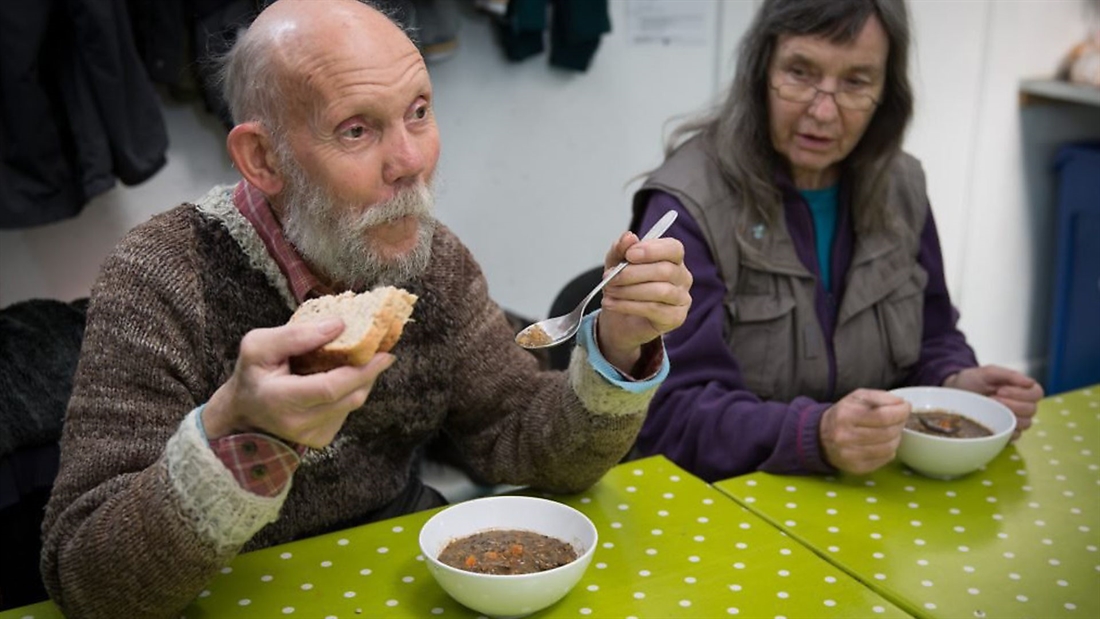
(861, 432)
(263, 395)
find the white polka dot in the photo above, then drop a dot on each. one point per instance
(1062, 583)
(791, 489)
(876, 536)
(959, 529)
(915, 523)
(834, 529)
(833, 549)
(968, 569)
(738, 566)
(785, 551)
(1014, 576)
(638, 595)
(643, 573)
(593, 587)
(703, 520)
(266, 578)
(623, 507)
(922, 562)
(872, 499)
(306, 586)
(929, 605)
(1021, 598)
(830, 603)
(342, 542)
(918, 542)
(910, 489)
(699, 538)
(663, 513)
(608, 545)
(914, 505)
(693, 559)
(1054, 562)
(1010, 555)
(751, 482)
(830, 494)
(973, 591)
(326, 563)
(831, 511)
(783, 573)
(741, 545)
(407, 579)
(964, 549)
(708, 501)
(349, 594)
(690, 580)
(656, 532)
(1002, 535)
(651, 551)
(872, 517)
(668, 495)
(830, 579)
(365, 572)
(878, 609)
(437, 611)
(732, 611)
(880, 576)
(244, 602)
(878, 555)
(782, 595)
(790, 523)
(205, 593)
(638, 472)
(601, 566)
(950, 493)
(227, 570)
(744, 525)
(616, 525)
(1070, 606)
(288, 610)
(955, 511)
(398, 529)
(285, 555)
(926, 583)
(735, 587)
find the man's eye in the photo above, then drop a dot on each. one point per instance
(355, 132)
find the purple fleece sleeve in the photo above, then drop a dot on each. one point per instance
(702, 417)
(944, 350)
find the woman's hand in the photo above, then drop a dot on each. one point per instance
(861, 432)
(1018, 392)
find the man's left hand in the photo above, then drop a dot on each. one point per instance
(1018, 392)
(649, 298)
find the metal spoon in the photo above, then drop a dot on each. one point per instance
(554, 331)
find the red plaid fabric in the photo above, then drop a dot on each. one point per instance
(261, 464)
(253, 204)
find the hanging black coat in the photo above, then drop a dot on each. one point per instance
(77, 109)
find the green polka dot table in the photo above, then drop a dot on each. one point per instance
(1018, 538)
(669, 546)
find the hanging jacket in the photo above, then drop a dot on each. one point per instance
(77, 110)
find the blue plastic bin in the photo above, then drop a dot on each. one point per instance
(1075, 323)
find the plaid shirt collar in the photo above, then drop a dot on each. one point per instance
(253, 204)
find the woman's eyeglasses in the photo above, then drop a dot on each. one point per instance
(804, 93)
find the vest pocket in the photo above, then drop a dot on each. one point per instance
(762, 340)
(901, 316)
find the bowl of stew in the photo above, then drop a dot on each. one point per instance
(951, 432)
(508, 556)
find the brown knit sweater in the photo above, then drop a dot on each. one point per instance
(143, 514)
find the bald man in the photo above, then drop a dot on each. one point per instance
(188, 440)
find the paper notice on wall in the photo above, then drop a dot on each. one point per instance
(668, 22)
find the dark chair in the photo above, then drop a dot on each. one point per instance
(39, 347)
(567, 299)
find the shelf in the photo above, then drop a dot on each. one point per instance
(1036, 91)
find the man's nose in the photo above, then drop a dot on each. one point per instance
(405, 157)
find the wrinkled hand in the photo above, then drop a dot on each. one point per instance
(646, 300)
(861, 432)
(1018, 392)
(263, 395)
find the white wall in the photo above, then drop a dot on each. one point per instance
(536, 162)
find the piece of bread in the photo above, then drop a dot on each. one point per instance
(373, 322)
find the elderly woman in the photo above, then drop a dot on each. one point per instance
(819, 280)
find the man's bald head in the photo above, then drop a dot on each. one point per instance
(267, 70)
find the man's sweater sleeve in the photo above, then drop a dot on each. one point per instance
(703, 417)
(143, 513)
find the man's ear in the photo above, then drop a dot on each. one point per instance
(251, 150)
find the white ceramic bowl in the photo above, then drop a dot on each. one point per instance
(944, 457)
(508, 595)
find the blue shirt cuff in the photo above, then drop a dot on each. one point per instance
(586, 337)
(198, 420)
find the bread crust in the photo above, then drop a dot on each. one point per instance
(388, 322)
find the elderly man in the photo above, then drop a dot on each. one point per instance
(187, 438)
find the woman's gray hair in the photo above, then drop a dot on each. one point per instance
(736, 132)
(252, 85)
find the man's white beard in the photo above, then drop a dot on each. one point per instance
(331, 235)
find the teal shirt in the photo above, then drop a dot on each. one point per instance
(823, 209)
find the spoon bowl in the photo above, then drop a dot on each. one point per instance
(554, 331)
